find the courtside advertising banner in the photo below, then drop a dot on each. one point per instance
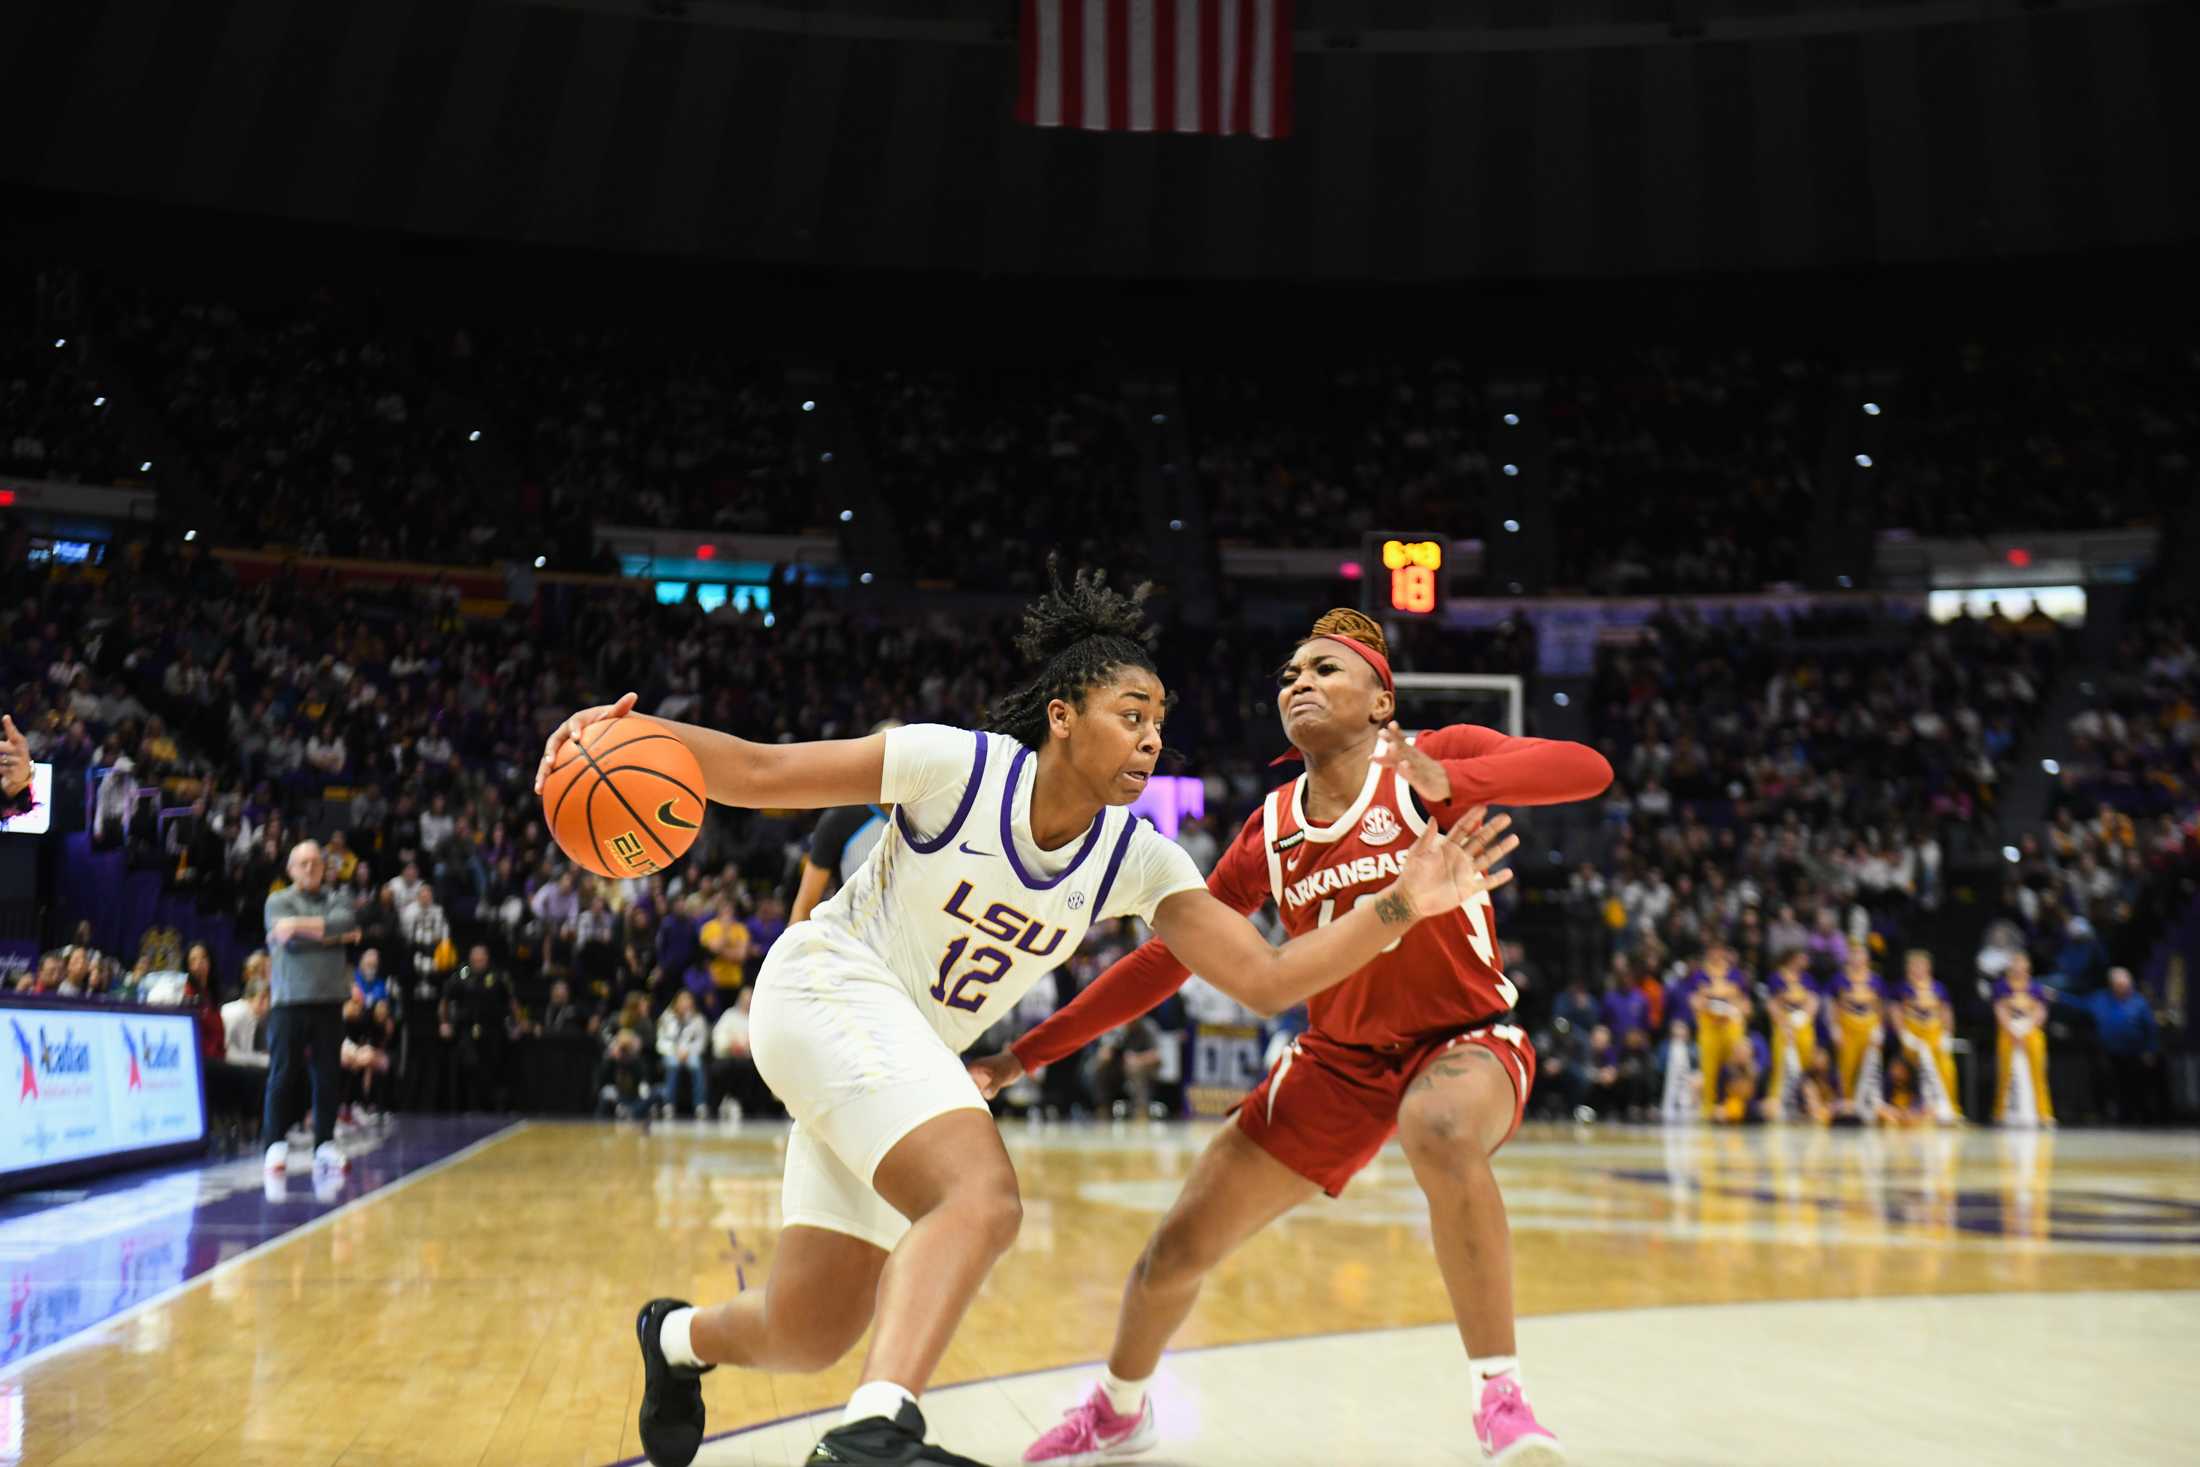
(82, 1085)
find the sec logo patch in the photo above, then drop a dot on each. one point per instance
(1380, 827)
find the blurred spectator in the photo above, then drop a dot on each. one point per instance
(622, 1078)
(366, 1057)
(1124, 1067)
(563, 1016)
(2127, 1057)
(307, 929)
(481, 1013)
(733, 1068)
(683, 1043)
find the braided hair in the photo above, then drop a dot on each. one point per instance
(1077, 634)
(1351, 626)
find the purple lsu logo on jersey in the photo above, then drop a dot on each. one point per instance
(1003, 923)
(966, 988)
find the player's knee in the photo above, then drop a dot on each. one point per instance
(1439, 1141)
(993, 1214)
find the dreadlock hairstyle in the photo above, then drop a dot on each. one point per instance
(1077, 634)
(1351, 626)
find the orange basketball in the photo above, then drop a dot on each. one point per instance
(626, 798)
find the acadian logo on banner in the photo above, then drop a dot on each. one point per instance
(82, 1084)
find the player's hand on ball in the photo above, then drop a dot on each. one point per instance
(995, 1073)
(569, 730)
(1444, 872)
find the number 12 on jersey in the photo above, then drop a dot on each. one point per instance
(959, 995)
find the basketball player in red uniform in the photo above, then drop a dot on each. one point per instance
(1414, 1044)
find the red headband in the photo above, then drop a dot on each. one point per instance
(1375, 659)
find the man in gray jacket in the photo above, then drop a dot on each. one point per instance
(307, 927)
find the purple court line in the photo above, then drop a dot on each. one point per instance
(1385, 1329)
(191, 1234)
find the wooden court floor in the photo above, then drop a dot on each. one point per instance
(1688, 1296)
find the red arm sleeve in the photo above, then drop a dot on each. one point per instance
(1491, 768)
(1138, 981)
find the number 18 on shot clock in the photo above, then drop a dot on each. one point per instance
(1403, 573)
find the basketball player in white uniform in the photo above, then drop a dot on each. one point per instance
(1004, 847)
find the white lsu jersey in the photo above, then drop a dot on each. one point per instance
(957, 901)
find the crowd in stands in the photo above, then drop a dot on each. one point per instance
(633, 430)
(1793, 795)
(335, 425)
(988, 471)
(1684, 472)
(1316, 456)
(2070, 436)
(54, 416)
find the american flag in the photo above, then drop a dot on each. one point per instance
(1212, 66)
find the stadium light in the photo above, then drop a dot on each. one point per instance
(1871, 409)
(2049, 766)
(1560, 699)
(826, 457)
(1176, 524)
(865, 578)
(99, 402)
(541, 561)
(190, 535)
(1512, 527)
(1863, 460)
(1160, 418)
(847, 516)
(474, 437)
(146, 467)
(1843, 582)
(2011, 854)
(809, 405)
(60, 342)
(1512, 471)
(1512, 420)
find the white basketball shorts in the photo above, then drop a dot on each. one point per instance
(841, 1043)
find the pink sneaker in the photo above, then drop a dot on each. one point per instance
(1092, 1432)
(1508, 1429)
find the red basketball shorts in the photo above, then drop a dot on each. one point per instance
(1327, 1108)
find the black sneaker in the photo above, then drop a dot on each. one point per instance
(876, 1442)
(672, 1395)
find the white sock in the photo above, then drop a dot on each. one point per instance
(672, 1338)
(876, 1398)
(1491, 1367)
(1125, 1397)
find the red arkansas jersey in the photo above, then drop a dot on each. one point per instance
(1443, 974)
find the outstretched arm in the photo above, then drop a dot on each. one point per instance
(1136, 982)
(806, 776)
(1442, 873)
(1464, 765)
(1208, 929)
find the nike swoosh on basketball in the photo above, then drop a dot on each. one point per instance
(967, 849)
(666, 817)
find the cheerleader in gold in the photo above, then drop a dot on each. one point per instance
(1859, 1023)
(1718, 996)
(1792, 1003)
(2020, 1050)
(1925, 1023)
